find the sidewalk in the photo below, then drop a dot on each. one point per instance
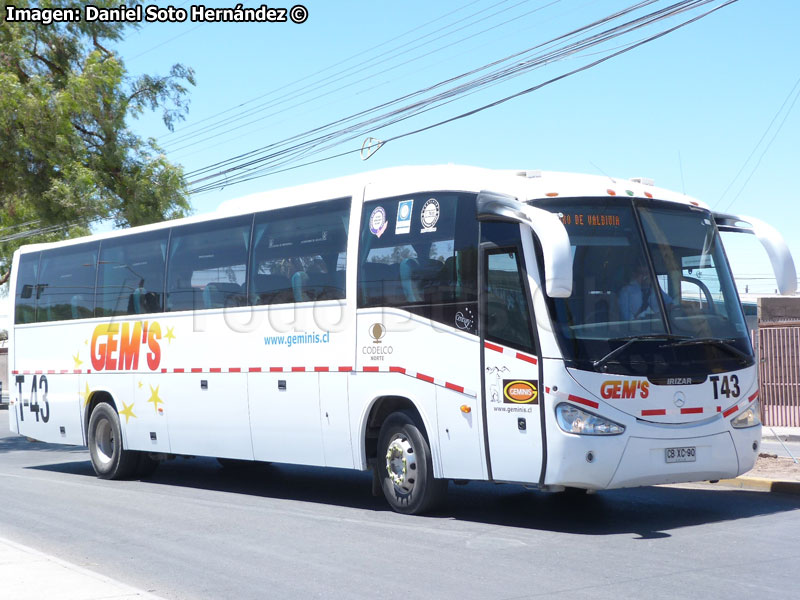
(786, 434)
(27, 574)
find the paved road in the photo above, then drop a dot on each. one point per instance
(193, 531)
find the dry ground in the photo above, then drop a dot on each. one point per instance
(771, 466)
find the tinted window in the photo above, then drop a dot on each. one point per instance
(130, 279)
(66, 283)
(419, 253)
(207, 264)
(300, 253)
(26, 292)
(507, 311)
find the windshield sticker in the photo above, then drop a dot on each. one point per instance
(377, 221)
(403, 224)
(520, 391)
(429, 215)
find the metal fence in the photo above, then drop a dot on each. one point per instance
(779, 372)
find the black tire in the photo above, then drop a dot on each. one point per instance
(109, 459)
(405, 467)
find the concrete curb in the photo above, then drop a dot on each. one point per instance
(762, 484)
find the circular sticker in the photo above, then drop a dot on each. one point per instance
(405, 211)
(430, 214)
(377, 221)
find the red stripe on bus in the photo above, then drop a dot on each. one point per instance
(64, 371)
(345, 369)
(37, 372)
(163, 370)
(321, 369)
(234, 369)
(197, 370)
(276, 369)
(493, 347)
(371, 369)
(453, 386)
(425, 377)
(298, 369)
(691, 411)
(584, 401)
(51, 372)
(730, 411)
(215, 370)
(654, 412)
(397, 370)
(177, 370)
(254, 369)
(526, 358)
(76, 371)
(719, 409)
(754, 396)
(88, 370)
(15, 372)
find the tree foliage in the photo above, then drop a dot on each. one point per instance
(67, 154)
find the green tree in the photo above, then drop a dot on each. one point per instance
(67, 154)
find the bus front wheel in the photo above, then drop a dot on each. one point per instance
(109, 459)
(405, 468)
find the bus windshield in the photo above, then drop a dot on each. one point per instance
(652, 292)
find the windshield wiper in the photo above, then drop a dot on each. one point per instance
(635, 338)
(724, 343)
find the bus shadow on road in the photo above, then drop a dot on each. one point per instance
(649, 512)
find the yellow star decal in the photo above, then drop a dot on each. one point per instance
(86, 395)
(127, 411)
(77, 359)
(170, 335)
(154, 397)
(140, 385)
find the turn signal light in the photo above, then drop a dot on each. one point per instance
(465, 409)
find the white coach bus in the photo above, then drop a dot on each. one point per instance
(430, 323)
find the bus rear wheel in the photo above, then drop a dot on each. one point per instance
(109, 459)
(405, 467)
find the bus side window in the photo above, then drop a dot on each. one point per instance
(207, 264)
(130, 279)
(66, 283)
(419, 253)
(300, 253)
(25, 301)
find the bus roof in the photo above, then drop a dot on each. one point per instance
(525, 185)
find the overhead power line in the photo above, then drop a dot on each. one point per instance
(267, 159)
(795, 91)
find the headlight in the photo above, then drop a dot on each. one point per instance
(749, 418)
(574, 420)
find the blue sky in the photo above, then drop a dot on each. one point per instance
(686, 110)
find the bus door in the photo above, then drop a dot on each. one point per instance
(510, 362)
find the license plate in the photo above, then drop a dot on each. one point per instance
(683, 454)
